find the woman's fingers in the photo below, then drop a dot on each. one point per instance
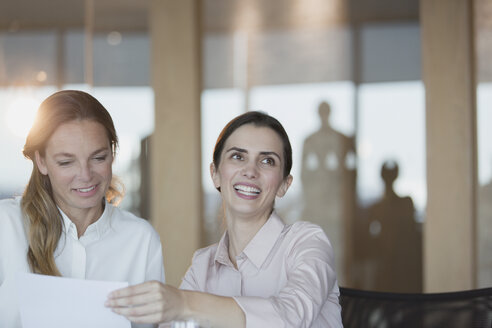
(134, 290)
(148, 313)
(149, 302)
(136, 299)
(152, 318)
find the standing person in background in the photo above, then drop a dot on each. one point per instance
(262, 273)
(328, 183)
(66, 223)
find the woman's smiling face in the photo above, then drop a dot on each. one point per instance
(250, 173)
(78, 161)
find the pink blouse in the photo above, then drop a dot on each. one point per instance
(285, 276)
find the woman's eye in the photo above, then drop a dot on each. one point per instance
(100, 158)
(268, 161)
(64, 163)
(236, 156)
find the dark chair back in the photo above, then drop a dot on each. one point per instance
(369, 309)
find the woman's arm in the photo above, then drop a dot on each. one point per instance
(310, 289)
(154, 302)
(311, 292)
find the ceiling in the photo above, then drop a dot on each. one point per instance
(48, 14)
(218, 14)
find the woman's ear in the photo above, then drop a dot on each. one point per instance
(40, 163)
(215, 176)
(284, 186)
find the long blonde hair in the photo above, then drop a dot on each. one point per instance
(38, 205)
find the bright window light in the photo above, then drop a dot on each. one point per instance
(20, 115)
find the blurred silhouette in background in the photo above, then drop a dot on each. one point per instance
(388, 241)
(328, 180)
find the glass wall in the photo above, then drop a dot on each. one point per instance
(342, 76)
(37, 59)
(483, 40)
(349, 93)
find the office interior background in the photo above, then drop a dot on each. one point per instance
(388, 112)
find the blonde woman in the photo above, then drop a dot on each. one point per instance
(66, 223)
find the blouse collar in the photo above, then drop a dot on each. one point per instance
(259, 247)
(96, 229)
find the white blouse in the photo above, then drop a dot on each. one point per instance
(117, 247)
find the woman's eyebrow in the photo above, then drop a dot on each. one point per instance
(65, 154)
(241, 150)
(269, 153)
(263, 153)
(101, 150)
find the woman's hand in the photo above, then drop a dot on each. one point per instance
(149, 302)
(154, 302)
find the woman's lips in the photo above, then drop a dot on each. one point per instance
(247, 191)
(86, 191)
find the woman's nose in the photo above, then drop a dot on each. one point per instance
(85, 172)
(250, 170)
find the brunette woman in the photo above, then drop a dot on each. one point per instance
(262, 273)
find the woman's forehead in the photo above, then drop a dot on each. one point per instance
(259, 138)
(74, 135)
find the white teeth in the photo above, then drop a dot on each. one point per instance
(86, 189)
(247, 190)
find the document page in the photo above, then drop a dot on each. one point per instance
(57, 302)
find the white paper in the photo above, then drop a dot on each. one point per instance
(56, 302)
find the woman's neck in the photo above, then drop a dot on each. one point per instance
(83, 218)
(241, 231)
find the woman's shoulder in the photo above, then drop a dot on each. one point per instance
(126, 220)
(205, 255)
(198, 273)
(10, 211)
(302, 228)
(12, 203)
(12, 229)
(305, 233)
(307, 241)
